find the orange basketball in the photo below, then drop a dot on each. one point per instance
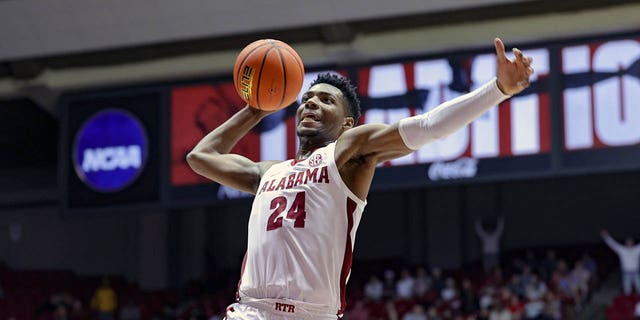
(268, 74)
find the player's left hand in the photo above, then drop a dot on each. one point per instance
(513, 75)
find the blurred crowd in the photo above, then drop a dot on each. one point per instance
(525, 286)
(532, 288)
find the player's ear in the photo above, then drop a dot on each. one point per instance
(348, 123)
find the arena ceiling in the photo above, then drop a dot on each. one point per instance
(72, 33)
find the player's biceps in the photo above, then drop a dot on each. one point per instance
(387, 139)
(241, 175)
(394, 154)
(223, 167)
(238, 167)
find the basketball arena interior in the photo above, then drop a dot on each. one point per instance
(547, 175)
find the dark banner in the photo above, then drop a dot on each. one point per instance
(111, 150)
(580, 116)
(389, 92)
(601, 94)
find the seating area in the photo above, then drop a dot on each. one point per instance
(623, 307)
(35, 295)
(468, 293)
(474, 294)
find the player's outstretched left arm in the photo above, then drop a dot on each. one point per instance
(380, 142)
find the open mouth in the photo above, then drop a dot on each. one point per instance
(309, 117)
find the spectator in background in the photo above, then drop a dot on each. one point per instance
(515, 285)
(389, 285)
(536, 289)
(552, 307)
(534, 294)
(392, 313)
(490, 244)
(72, 306)
(486, 300)
(168, 312)
(563, 281)
(130, 311)
(447, 314)
(516, 307)
(417, 313)
(449, 292)
(579, 279)
(531, 260)
(525, 276)
(432, 314)
(468, 298)
(482, 315)
(104, 301)
(558, 277)
(358, 312)
(495, 279)
(533, 309)
(500, 312)
(374, 289)
(60, 313)
(590, 264)
(405, 285)
(437, 280)
(422, 282)
(549, 265)
(629, 255)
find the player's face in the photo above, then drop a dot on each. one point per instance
(322, 113)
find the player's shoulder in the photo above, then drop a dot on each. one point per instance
(362, 131)
(350, 144)
(355, 138)
(264, 166)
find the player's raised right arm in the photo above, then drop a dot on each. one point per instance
(211, 158)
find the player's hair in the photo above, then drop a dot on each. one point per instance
(348, 91)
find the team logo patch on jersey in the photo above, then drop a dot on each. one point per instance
(315, 160)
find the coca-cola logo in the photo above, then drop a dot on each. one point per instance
(457, 169)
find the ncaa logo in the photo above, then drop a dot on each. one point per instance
(110, 150)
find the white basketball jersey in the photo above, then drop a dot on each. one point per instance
(301, 234)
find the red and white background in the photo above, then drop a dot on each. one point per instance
(602, 94)
(599, 88)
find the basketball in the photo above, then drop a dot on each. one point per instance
(268, 74)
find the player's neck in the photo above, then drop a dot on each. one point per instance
(308, 146)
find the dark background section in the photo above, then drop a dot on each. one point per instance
(146, 107)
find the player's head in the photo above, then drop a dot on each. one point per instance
(328, 108)
(348, 92)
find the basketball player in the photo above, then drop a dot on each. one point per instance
(306, 210)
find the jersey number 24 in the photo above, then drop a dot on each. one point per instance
(296, 211)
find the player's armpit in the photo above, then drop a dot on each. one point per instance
(231, 170)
